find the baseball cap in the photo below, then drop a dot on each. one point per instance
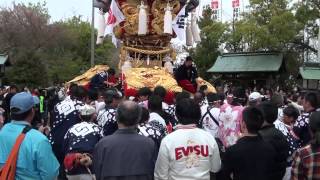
(87, 110)
(254, 96)
(21, 102)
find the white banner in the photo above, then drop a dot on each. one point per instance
(179, 25)
(101, 27)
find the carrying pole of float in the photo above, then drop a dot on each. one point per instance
(92, 36)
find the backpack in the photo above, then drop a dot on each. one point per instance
(8, 171)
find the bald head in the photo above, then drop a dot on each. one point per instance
(128, 113)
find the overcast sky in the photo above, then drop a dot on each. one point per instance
(60, 9)
(63, 9)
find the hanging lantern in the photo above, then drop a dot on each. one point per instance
(168, 64)
(194, 28)
(142, 27)
(167, 25)
(125, 67)
(127, 63)
(101, 27)
(129, 58)
(189, 40)
(148, 60)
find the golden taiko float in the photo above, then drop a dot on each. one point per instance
(86, 77)
(151, 77)
(143, 30)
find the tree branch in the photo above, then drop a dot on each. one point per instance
(305, 46)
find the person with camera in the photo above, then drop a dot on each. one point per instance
(35, 159)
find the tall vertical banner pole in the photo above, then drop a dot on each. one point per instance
(319, 42)
(221, 10)
(92, 35)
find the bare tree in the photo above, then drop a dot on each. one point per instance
(26, 27)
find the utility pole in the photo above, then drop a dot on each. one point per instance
(92, 35)
(221, 10)
(319, 43)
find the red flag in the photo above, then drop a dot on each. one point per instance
(115, 14)
(214, 4)
(235, 3)
(111, 19)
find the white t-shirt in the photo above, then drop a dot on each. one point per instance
(187, 154)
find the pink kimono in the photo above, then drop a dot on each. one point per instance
(230, 118)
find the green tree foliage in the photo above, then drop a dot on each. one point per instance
(206, 52)
(72, 55)
(29, 70)
(307, 13)
(59, 50)
(270, 26)
(106, 53)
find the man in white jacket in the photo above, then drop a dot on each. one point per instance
(189, 152)
(210, 114)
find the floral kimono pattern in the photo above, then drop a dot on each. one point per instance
(230, 119)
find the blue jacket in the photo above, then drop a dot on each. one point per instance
(35, 160)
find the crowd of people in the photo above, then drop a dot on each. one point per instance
(101, 134)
